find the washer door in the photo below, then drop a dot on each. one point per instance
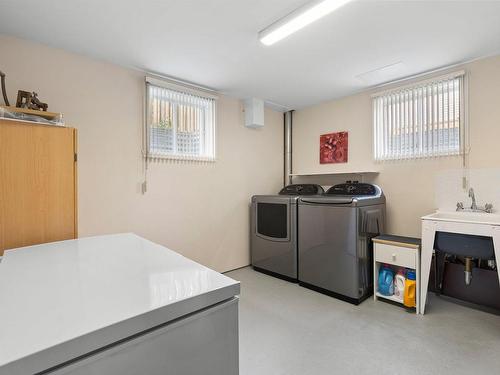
(327, 248)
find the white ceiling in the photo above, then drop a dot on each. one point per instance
(214, 42)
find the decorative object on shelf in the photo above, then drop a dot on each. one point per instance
(23, 99)
(333, 148)
(4, 91)
(29, 100)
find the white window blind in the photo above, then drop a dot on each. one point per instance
(422, 120)
(180, 124)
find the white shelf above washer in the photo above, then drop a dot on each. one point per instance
(333, 173)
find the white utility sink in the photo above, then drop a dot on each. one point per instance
(465, 217)
(468, 223)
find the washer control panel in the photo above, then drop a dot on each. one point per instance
(352, 188)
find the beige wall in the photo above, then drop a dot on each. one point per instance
(199, 210)
(410, 186)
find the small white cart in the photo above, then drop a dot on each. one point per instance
(397, 251)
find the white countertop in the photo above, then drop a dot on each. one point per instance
(64, 299)
(464, 217)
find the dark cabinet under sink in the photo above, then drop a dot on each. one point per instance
(483, 291)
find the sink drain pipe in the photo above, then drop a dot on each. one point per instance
(468, 270)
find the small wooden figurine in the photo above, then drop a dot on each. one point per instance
(23, 99)
(26, 99)
(37, 104)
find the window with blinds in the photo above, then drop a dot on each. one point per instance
(180, 124)
(422, 120)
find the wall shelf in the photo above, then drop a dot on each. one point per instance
(333, 173)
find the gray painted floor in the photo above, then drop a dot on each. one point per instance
(287, 329)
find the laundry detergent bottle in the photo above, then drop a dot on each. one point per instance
(410, 289)
(399, 284)
(386, 280)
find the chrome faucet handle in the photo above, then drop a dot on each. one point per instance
(488, 207)
(460, 206)
(472, 196)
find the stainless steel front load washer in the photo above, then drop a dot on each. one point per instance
(335, 247)
(273, 230)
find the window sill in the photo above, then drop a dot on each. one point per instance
(420, 157)
(196, 159)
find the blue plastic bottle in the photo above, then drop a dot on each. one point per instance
(386, 281)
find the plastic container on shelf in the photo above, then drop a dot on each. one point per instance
(410, 289)
(399, 284)
(386, 280)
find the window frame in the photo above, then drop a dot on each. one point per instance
(182, 88)
(426, 84)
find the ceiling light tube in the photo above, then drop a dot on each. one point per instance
(299, 19)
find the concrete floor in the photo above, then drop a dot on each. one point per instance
(287, 329)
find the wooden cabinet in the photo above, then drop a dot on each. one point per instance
(38, 184)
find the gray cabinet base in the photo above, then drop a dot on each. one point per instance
(203, 343)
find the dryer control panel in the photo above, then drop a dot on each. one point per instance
(302, 189)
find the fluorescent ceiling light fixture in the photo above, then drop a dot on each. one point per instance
(299, 19)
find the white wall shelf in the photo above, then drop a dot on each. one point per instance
(332, 173)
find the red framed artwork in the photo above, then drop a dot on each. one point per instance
(333, 148)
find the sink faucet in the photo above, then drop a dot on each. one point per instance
(473, 197)
(488, 207)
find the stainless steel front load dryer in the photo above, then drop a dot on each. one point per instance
(335, 232)
(273, 230)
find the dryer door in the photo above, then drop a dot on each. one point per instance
(273, 220)
(273, 239)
